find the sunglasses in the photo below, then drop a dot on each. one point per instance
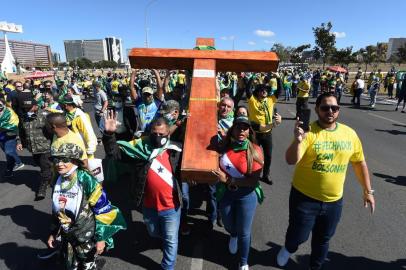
(56, 160)
(327, 108)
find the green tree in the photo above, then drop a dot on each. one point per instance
(282, 51)
(325, 41)
(296, 55)
(401, 54)
(369, 55)
(381, 50)
(343, 56)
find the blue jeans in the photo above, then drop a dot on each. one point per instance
(8, 145)
(212, 203)
(309, 215)
(185, 201)
(164, 225)
(287, 93)
(238, 210)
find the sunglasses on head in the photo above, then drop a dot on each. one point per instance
(333, 108)
(57, 160)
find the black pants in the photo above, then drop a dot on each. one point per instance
(301, 104)
(42, 160)
(357, 96)
(265, 140)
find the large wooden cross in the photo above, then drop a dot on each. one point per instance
(198, 161)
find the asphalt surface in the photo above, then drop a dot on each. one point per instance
(362, 240)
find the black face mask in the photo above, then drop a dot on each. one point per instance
(158, 141)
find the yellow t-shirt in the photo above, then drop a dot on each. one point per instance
(71, 137)
(325, 154)
(181, 78)
(303, 85)
(114, 86)
(261, 112)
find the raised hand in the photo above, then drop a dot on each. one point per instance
(110, 122)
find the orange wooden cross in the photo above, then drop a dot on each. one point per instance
(198, 161)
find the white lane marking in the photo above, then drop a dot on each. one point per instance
(197, 258)
(390, 120)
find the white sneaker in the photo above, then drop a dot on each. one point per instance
(244, 267)
(283, 257)
(233, 245)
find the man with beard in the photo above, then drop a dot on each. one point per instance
(156, 183)
(321, 157)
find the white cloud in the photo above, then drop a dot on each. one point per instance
(251, 43)
(264, 33)
(268, 41)
(227, 38)
(339, 34)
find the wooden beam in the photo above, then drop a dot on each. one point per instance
(183, 59)
(198, 160)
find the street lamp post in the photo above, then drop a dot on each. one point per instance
(145, 21)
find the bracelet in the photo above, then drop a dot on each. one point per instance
(369, 192)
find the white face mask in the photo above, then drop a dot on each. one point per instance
(72, 170)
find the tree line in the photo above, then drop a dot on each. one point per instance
(325, 51)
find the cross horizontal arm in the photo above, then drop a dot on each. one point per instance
(183, 59)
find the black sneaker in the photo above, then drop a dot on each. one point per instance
(220, 222)
(267, 180)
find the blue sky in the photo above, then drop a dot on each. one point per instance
(254, 24)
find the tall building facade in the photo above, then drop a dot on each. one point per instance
(109, 48)
(393, 45)
(115, 49)
(28, 54)
(56, 58)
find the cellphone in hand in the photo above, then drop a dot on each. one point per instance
(304, 116)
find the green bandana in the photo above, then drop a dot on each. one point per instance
(204, 48)
(70, 116)
(239, 146)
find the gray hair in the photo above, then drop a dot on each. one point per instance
(227, 99)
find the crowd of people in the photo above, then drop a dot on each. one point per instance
(141, 122)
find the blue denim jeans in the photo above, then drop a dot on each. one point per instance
(164, 225)
(212, 208)
(309, 215)
(287, 93)
(185, 201)
(8, 145)
(237, 210)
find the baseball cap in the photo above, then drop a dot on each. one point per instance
(147, 89)
(241, 120)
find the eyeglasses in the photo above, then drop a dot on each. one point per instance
(56, 160)
(333, 108)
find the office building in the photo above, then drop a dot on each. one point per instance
(109, 48)
(393, 45)
(56, 58)
(28, 54)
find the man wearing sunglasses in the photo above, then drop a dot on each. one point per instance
(321, 157)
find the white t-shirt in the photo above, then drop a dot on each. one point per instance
(360, 84)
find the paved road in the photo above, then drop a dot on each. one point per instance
(362, 241)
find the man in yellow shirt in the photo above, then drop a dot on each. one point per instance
(260, 113)
(321, 157)
(303, 88)
(56, 124)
